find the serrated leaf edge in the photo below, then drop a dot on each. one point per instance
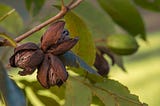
(114, 95)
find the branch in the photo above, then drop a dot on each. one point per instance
(61, 14)
(74, 4)
(39, 27)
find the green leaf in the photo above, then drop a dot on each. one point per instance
(11, 93)
(48, 101)
(35, 36)
(124, 13)
(85, 45)
(11, 41)
(36, 87)
(96, 101)
(119, 62)
(113, 93)
(77, 94)
(122, 44)
(34, 6)
(70, 59)
(153, 5)
(6, 15)
(9, 23)
(104, 97)
(100, 24)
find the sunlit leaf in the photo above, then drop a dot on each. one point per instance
(34, 6)
(13, 23)
(77, 94)
(113, 93)
(11, 93)
(36, 87)
(85, 45)
(70, 59)
(100, 24)
(6, 15)
(11, 41)
(124, 13)
(153, 5)
(48, 101)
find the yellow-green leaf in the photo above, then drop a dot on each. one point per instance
(112, 93)
(77, 93)
(6, 15)
(85, 47)
(11, 41)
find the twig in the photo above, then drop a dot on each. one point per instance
(39, 27)
(74, 4)
(64, 10)
(71, 3)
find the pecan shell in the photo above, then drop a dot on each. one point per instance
(63, 46)
(101, 65)
(52, 35)
(51, 72)
(27, 56)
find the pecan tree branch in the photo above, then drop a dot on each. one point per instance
(60, 15)
(74, 4)
(37, 28)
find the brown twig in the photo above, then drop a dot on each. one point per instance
(64, 10)
(71, 3)
(74, 4)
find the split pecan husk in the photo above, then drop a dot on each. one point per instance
(51, 72)
(26, 56)
(54, 42)
(101, 65)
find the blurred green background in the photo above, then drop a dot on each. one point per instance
(143, 68)
(143, 71)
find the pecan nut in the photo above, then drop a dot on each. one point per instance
(52, 35)
(27, 56)
(51, 72)
(101, 65)
(56, 39)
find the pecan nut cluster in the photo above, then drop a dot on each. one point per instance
(51, 70)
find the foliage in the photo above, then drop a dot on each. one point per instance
(9, 87)
(92, 22)
(13, 27)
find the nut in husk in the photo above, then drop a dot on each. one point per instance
(27, 56)
(63, 46)
(101, 65)
(122, 44)
(51, 72)
(56, 39)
